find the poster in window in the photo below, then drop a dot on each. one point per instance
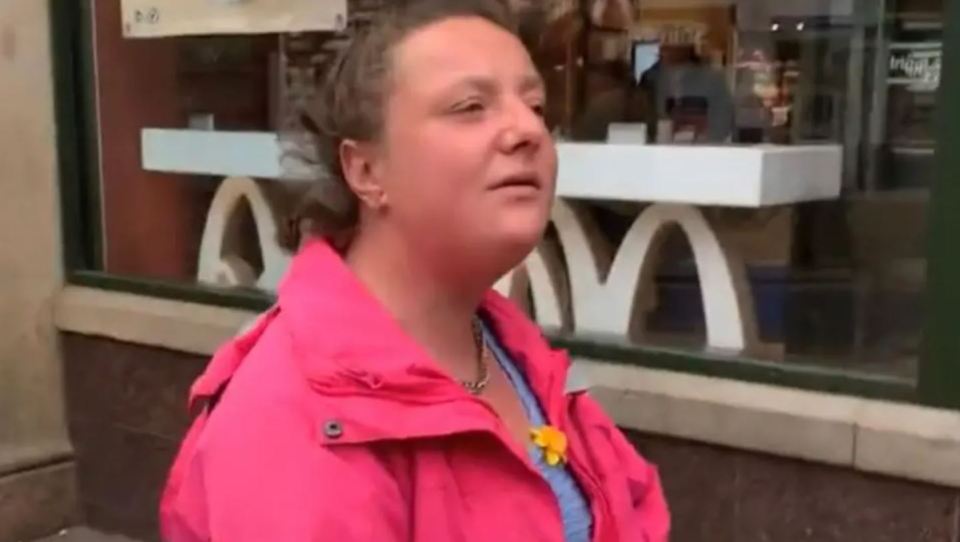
(160, 18)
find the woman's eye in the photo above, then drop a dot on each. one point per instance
(539, 109)
(468, 107)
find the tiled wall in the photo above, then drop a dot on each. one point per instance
(126, 407)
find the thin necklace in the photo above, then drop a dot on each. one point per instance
(476, 387)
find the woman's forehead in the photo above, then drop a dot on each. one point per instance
(467, 51)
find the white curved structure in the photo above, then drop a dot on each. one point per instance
(217, 266)
(542, 275)
(604, 285)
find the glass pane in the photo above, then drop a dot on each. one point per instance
(168, 208)
(836, 281)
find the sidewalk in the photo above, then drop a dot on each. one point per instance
(83, 534)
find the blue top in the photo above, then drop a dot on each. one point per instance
(574, 510)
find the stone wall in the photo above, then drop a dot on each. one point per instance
(127, 413)
(127, 410)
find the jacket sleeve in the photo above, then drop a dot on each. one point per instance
(270, 478)
(651, 506)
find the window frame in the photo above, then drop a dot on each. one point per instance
(937, 382)
(938, 378)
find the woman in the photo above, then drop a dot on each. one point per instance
(390, 395)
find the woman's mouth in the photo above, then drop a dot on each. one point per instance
(524, 182)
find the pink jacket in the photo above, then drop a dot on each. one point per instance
(336, 426)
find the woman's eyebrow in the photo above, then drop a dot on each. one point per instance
(531, 82)
(488, 85)
(485, 85)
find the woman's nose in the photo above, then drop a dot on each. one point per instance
(524, 128)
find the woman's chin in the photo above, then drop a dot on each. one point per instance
(513, 244)
(521, 228)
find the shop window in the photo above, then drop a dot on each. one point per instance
(838, 281)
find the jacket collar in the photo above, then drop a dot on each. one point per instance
(349, 346)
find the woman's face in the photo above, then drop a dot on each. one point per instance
(466, 163)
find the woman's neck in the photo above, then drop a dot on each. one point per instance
(436, 311)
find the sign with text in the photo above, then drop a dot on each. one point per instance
(159, 18)
(915, 65)
(709, 28)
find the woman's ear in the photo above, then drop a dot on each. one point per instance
(359, 163)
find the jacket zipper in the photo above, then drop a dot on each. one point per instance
(594, 489)
(591, 484)
(498, 432)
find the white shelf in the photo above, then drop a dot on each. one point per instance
(223, 154)
(734, 176)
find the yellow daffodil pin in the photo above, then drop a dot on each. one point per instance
(553, 442)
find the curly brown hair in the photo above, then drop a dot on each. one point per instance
(351, 102)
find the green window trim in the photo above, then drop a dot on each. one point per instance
(938, 380)
(71, 50)
(939, 375)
